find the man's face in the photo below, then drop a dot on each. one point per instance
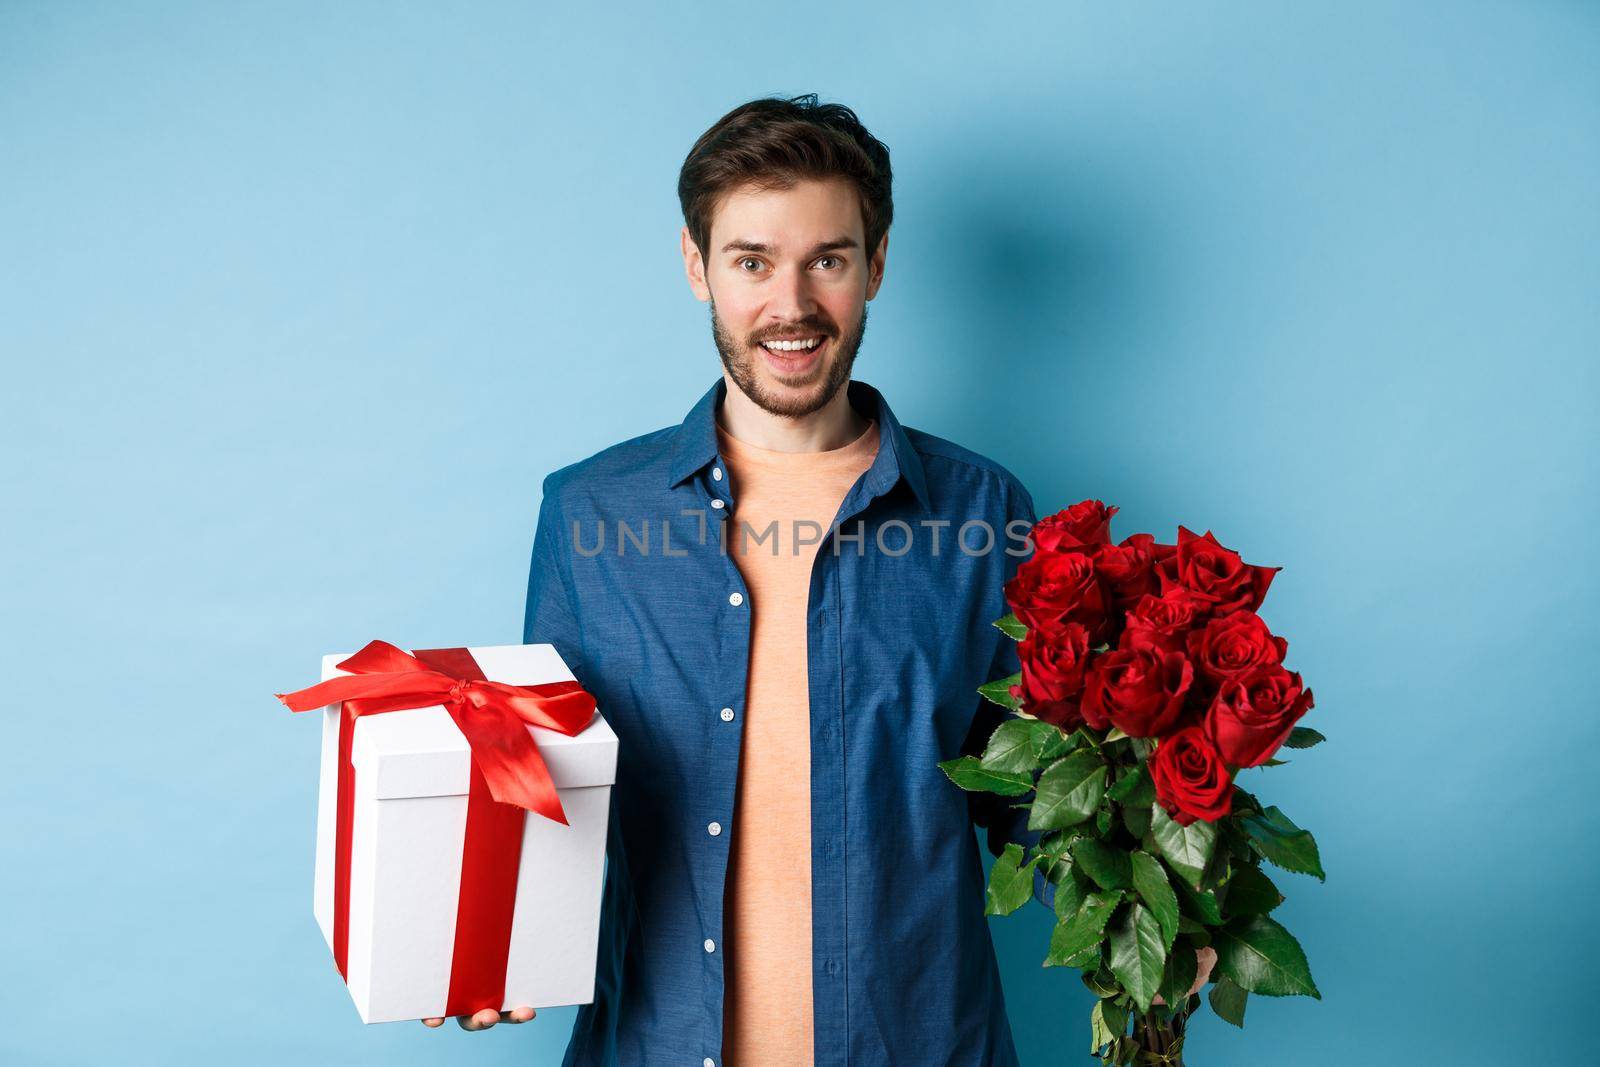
(787, 264)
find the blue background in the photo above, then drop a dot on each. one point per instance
(298, 306)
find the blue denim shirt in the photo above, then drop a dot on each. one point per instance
(635, 583)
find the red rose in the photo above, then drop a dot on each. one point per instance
(1254, 712)
(1233, 644)
(1129, 568)
(1139, 690)
(1052, 587)
(1214, 574)
(1053, 661)
(1190, 778)
(1165, 620)
(1087, 522)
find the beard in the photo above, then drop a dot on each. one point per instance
(740, 362)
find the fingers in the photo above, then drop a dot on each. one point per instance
(1206, 959)
(486, 1018)
(479, 1020)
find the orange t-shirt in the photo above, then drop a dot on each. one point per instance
(767, 1018)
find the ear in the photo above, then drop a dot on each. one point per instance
(875, 266)
(694, 266)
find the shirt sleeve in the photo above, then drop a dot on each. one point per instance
(549, 617)
(991, 812)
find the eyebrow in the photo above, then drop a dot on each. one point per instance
(742, 245)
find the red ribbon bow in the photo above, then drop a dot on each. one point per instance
(492, 716)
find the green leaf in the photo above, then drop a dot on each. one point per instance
(1070, 894)
(1083, 930)
(1137, 955)
(1134, 788)
(1244, 801)
(1058, 841)
(970, 774)
(1089, 957)
(1069, 791)
(1008, 750)
(1187, 849)
(1051, 743)
(1108, 1021)
(1150, 880)
(1101, 983)
(1023, 745)
(1231, 836)
(999, 691)
(1199, 935)
(1182, 968)
(1218, 871)
(1136, 819)
(1259, 955)
(1303, 737)
(1275, 836)
(1251, 892)
(1270, 762)
(1056, 847)
(1109, 866)
(1011, 626)
(1200, 903)
(1114, 734)
(1227, 1000)
(1010, 881)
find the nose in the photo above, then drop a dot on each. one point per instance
(791, 297)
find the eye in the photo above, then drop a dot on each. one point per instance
(748, 259)
(836, 259)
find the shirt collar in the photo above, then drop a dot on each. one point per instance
(695, 443)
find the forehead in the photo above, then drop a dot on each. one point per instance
(789, 220)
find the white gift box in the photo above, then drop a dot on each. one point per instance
(412, 774)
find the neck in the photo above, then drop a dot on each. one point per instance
(831, 426)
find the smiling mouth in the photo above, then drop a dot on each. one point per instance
(792, 348)
(798, 359)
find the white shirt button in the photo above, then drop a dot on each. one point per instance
(711, 946)
(714, 829)
(708, 1062)
(716, 476)
(736, 599)
(717, 503)
(727, 714)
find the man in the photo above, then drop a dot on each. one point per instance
(783, 607)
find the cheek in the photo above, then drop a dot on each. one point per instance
(841, 308)
(739, 323)
(738, 310)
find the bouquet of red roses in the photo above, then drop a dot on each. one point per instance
(1148, 684)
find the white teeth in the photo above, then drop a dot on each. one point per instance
(792, 346)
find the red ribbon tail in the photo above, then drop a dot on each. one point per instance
(527, 785)
(512, 766)
(420, 688)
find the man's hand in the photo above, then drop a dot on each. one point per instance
(486, 1018)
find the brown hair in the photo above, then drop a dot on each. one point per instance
(774, 142)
